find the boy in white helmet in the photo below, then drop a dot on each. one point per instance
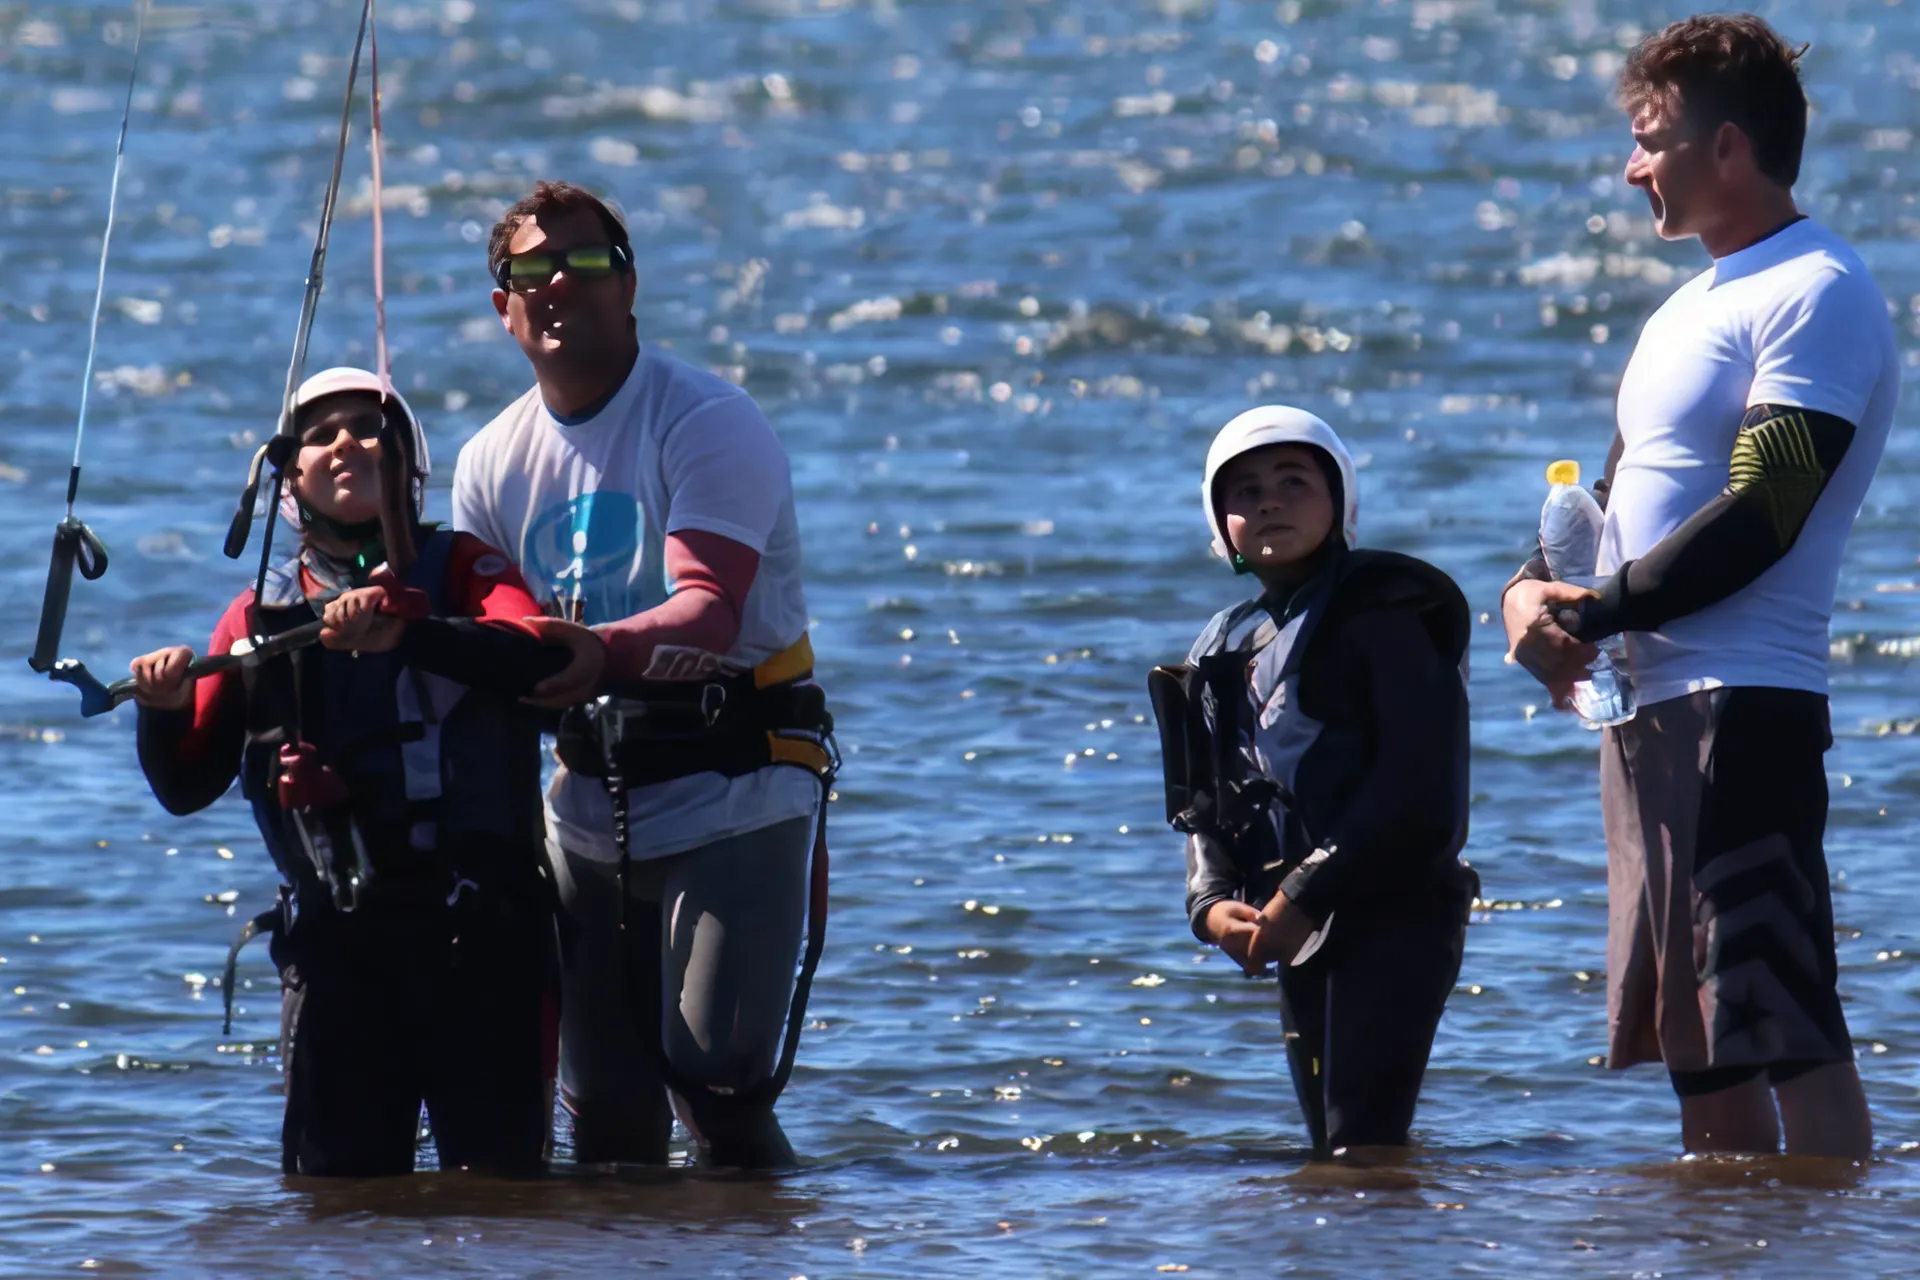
(395, 777)
(1315, 745)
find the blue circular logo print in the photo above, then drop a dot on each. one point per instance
(586, 547)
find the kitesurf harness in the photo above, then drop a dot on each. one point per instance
(730, 722)
(733, 723)
(300, 793)
(335, 739)
(75, 546)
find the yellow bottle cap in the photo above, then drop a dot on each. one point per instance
(1565, 471)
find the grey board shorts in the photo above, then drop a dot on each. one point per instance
(1720, 948)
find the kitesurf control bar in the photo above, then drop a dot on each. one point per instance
(97, 699)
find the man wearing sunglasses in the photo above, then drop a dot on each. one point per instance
(651, 501)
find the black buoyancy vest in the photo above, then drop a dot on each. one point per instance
(1235, 738)
(433, 769)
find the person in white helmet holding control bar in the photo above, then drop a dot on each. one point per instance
(395, 776)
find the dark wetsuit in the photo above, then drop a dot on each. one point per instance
(438, 988)
(1365, 733)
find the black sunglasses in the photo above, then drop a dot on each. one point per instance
(526, 272)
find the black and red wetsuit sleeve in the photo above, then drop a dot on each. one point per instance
(484, 585)
(484, 642)
(1408, 814)
(191, 756)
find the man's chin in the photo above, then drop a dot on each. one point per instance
(578, 350)
(1666, 226)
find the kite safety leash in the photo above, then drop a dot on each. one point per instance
(75, 546)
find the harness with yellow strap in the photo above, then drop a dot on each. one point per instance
(723, 720)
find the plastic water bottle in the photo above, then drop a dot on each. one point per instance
(1570, 525)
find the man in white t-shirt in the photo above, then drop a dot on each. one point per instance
(1751, 417)
(651, 501)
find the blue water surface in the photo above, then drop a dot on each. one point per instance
(997, 272)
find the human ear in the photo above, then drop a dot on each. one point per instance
(1730, 141)
(500, 305)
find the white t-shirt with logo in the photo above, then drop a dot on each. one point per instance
(584, 508)
(1793, 320)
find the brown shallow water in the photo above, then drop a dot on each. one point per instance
(997, 272)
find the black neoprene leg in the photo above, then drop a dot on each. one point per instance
(1385, 997)
(1361, 1017)
(1303, 1019)
(609, 1073)
(489, 1094)
(353, 1091)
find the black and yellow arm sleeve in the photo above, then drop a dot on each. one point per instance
(1782, 460)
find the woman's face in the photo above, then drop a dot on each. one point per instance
(337, 470)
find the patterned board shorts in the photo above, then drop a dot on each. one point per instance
(1720, 942)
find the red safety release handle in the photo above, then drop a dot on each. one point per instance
(306, 785)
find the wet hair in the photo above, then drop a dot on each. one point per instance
(553, 198)
(1726, 68)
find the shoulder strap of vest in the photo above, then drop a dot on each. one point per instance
(1246, 626)
(1389, 580)
(1215, 700)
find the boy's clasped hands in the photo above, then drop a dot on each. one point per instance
(1254, 937)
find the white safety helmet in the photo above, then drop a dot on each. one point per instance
(341, 378)
(1277, 424)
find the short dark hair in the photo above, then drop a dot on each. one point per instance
(1726, 68)
(548, 198)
